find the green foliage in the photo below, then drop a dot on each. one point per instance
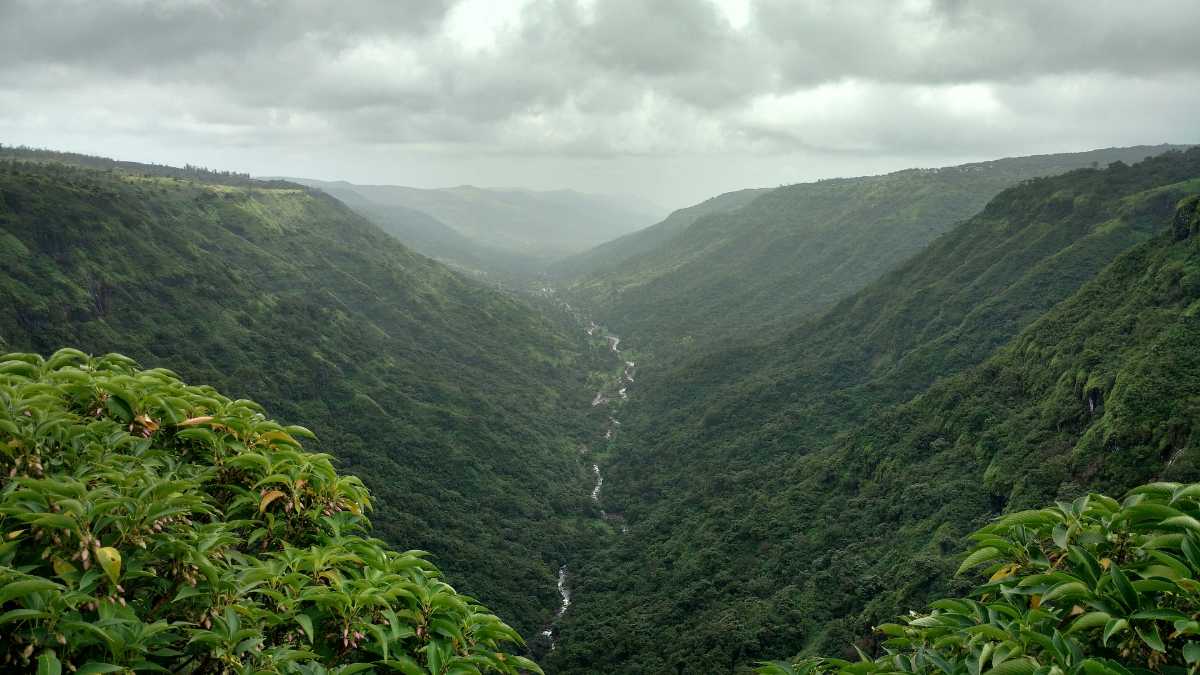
(152, 525)
(784, 497)
(429, 236)
(794, 251)
(459, 406)
(1089, 587)
(610, 255)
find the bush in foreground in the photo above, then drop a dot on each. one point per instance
(150, 525)
(1094, 586)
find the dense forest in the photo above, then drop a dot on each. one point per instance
(790, 253)
(788, 496)
(459, 406)
(845, 401)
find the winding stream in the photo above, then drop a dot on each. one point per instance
(602, 398)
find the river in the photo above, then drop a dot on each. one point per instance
(602, 398)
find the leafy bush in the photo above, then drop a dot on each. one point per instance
(151, 525)
(1093, 586)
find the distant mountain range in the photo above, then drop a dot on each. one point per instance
(488, 229)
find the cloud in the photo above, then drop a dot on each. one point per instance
(588, 79)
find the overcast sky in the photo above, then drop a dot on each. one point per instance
(673, 100)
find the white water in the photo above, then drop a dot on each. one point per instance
(564, 592)
(599, 483)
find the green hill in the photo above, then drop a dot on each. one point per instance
(787, 496)
(794, 251)
(429, 236)
(610, 255)
(457, 405)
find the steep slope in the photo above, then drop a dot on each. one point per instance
(609, 255)
(429, 236)
(537, 224)
(785, 496)
(456, 404)
(796, 250)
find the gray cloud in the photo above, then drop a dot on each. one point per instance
(616, 87)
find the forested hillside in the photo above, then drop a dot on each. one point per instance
(610, 255)
(785, 498)
(794, 251)
(458, 406)
(429, 236)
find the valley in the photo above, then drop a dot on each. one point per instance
(631, 337)
(771, 490)
(847, 444)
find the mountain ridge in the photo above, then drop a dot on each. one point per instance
(460, 406)
(793, 251)
(761, 537)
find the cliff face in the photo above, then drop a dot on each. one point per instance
(1187, 219)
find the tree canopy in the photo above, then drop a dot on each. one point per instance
(152, 525)
(1091, 586)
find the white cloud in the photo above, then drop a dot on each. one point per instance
(729, 87)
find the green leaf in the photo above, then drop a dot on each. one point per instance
(1061, 536)
(22, 615)
(1018, 666)
(525, 664)
(1191, 652)
(93, 667)
(406, 665)
(1089, 620)
(1086, 564)
(1113, 627)
(1149, 634)
(1032, 517)
(1128, 595)
(1160, 615)
(20, 368)
(48, 664)
(1071, 589)
(110, 559)
(978, 556)
(119, 408)
(1186, 522)
(1186, 492)
(1191, 550)
(1100, 667)
(306, 623)
(18, 589)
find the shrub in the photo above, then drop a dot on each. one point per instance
(1093, 586)
(151, 525)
